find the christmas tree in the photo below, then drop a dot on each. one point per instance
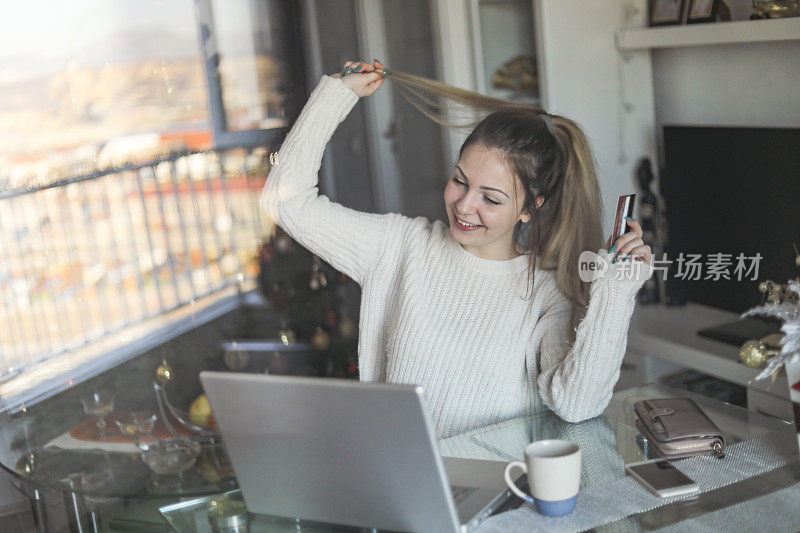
(316, 303)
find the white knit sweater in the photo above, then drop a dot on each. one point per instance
(433, 314)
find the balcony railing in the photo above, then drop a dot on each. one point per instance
(88, 256)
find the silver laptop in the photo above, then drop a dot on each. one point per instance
(345, 452)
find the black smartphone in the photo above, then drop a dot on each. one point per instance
(661, 478)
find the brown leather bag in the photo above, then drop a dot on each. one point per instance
(677, 427)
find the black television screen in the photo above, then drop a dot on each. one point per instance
(731, 190)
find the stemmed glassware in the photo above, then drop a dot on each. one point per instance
(169, 456)
(136, 424)
(99, 404)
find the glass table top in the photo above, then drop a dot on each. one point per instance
(34, 449)
(59, 445)
(607, 443)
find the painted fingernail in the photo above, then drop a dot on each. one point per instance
(377, 61)
(357, 68)
(629, 219)
(611, 250)
(347, 71)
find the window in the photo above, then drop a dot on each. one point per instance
(128, 182)
(254, 62)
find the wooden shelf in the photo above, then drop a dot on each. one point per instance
(747, 31)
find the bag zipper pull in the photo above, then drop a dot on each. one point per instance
(718, 451)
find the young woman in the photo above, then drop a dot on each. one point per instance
(489, 328)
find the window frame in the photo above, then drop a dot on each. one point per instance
(223, 137)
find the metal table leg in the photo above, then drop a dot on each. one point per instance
(96, 524)
(39, 511)
(77, 514)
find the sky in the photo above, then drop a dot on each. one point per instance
(56, 28)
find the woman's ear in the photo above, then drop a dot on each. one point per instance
(525, 217)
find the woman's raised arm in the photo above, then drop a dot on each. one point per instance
(349, 240)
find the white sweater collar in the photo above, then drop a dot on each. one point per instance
(460, 256)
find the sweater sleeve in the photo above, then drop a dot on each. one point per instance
(576, 380)
(349, 240)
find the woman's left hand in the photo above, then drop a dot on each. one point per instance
(364, 81)
(631, 244)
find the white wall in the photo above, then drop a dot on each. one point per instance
(609, 93)
(753, 84)
(623, 99)
(453, 31)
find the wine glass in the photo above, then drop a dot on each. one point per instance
(99, 404)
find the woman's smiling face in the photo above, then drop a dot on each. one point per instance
(484, 203)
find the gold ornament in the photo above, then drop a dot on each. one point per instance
(164, 372)
(26, 464)
(236, 360)
(321, 340)
(775, 292)
(755, 353)
(347, 327)
(287, 336)
(318, 279)
(773, 9)
(283, 243)
(776, 295)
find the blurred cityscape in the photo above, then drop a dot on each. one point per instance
(114, 207)
(89, 257)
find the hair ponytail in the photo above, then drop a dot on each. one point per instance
(552, 159)
(414, 89)
(578, 221)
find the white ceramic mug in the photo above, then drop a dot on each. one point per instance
(554, 475)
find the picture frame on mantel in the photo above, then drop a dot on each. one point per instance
(665, 12)
(702, 11)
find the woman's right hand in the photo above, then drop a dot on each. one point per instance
(364, 82)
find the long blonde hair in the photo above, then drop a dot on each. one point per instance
(552, 159)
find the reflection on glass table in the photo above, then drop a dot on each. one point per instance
(199, 514)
